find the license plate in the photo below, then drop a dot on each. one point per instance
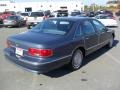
(19, 51)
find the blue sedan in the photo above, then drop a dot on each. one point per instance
(56, 42)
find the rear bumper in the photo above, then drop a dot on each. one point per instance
(11, 24)
(37, 67)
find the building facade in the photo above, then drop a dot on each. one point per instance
(52, 5)
(112, 3)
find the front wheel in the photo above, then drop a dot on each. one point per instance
(76, 61)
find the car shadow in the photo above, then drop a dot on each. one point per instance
(22, 26)
(64, 71)
(98, 53)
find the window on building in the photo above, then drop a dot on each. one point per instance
(50, 5)
(41, 6)
(29, 9)
(3, 5)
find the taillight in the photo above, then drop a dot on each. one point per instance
(40, 52)
(8, 43)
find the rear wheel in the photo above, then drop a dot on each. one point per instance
(76, 61)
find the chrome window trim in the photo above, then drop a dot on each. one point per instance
(97, 45)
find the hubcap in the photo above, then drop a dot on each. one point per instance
(77, 60)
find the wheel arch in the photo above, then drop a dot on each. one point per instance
(82, 49)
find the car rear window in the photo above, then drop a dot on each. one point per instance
(105, 17)
(36, 14)
(75, 13)
(12, 18)
(24, 14)
(59, 27)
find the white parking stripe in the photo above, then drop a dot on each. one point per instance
(34, 80)
(115, 59)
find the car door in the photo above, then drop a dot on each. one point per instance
(103, 34)
(90, 36)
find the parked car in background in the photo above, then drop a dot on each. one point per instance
(107, 20)
(6, 14)
(117, 13)
(56, 42)
(34, 18)
(75, 13)
(14, 20)
(24, 15)
(91, 14)
(109, 13)
(48, 14)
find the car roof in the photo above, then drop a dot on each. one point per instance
(72, 18)
(102, 15)
(14, 16)
(24, 12)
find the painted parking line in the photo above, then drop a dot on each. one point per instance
(115, 59)
(34, 81)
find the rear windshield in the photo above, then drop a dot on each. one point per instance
(75, 13)
(59, 27)
(105, 17)
(24, 14)
(12, 18)
(37, 14)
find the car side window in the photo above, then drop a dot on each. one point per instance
(99, 26)
(87, 28)
(78, 32)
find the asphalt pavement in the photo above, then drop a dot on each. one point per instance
(100, 71)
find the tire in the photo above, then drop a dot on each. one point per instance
(76, 61)
(110, 44)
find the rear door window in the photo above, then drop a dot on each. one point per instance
(87, 28)
(78, 31)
